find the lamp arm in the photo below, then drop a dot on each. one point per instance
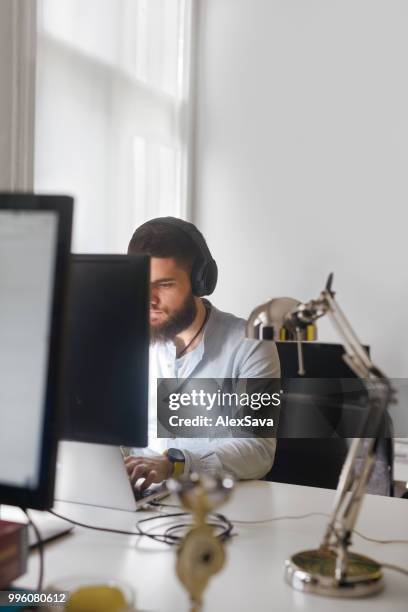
(347, 506)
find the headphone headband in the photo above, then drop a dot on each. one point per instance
(204, 273)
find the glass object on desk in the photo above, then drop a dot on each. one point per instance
(201, 553)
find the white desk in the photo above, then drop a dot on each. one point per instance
(253, 576)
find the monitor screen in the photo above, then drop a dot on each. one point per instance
(30, 329)
(106, 396)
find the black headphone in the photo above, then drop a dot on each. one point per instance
(204, 272)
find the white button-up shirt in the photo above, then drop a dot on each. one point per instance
(223, 352)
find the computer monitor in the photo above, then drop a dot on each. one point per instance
(316, 404)
(321, 360)
(106, 386)
(106, 391)
(35, 239)
(313, 408)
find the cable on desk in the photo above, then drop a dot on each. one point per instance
(303, 516)
(364, 537)
(167, 537)
(282, 518)
(40, 545)
(218, 521)
(222, 522)
(395, 568)
(164, 538)
(94, 527)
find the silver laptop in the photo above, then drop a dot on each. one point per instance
(95, 474)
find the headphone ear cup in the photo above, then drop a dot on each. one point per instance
(204, 278)
(211, 276)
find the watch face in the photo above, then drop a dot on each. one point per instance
(175, 454)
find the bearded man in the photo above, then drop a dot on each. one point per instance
(190, 337)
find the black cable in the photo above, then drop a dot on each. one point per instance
(158, 537)
(227, 533)
(207, 314)
(65, 518)
(221, 522)
(164, 538)
(40, 545)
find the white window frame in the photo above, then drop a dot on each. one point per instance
(17, 94)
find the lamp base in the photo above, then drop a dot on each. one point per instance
(313, 571)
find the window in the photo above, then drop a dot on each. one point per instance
(112, 113)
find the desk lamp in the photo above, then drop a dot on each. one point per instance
(331, 569)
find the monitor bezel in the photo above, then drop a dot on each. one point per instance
(42, 497)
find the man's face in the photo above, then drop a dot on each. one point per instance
(172, 304)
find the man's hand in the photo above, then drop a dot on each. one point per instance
(152, 469)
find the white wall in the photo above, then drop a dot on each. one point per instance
(302, 157)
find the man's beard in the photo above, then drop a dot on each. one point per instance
(177, 322)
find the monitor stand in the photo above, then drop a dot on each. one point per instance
(93, 474)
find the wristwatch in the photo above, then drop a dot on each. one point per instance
(177, 458)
